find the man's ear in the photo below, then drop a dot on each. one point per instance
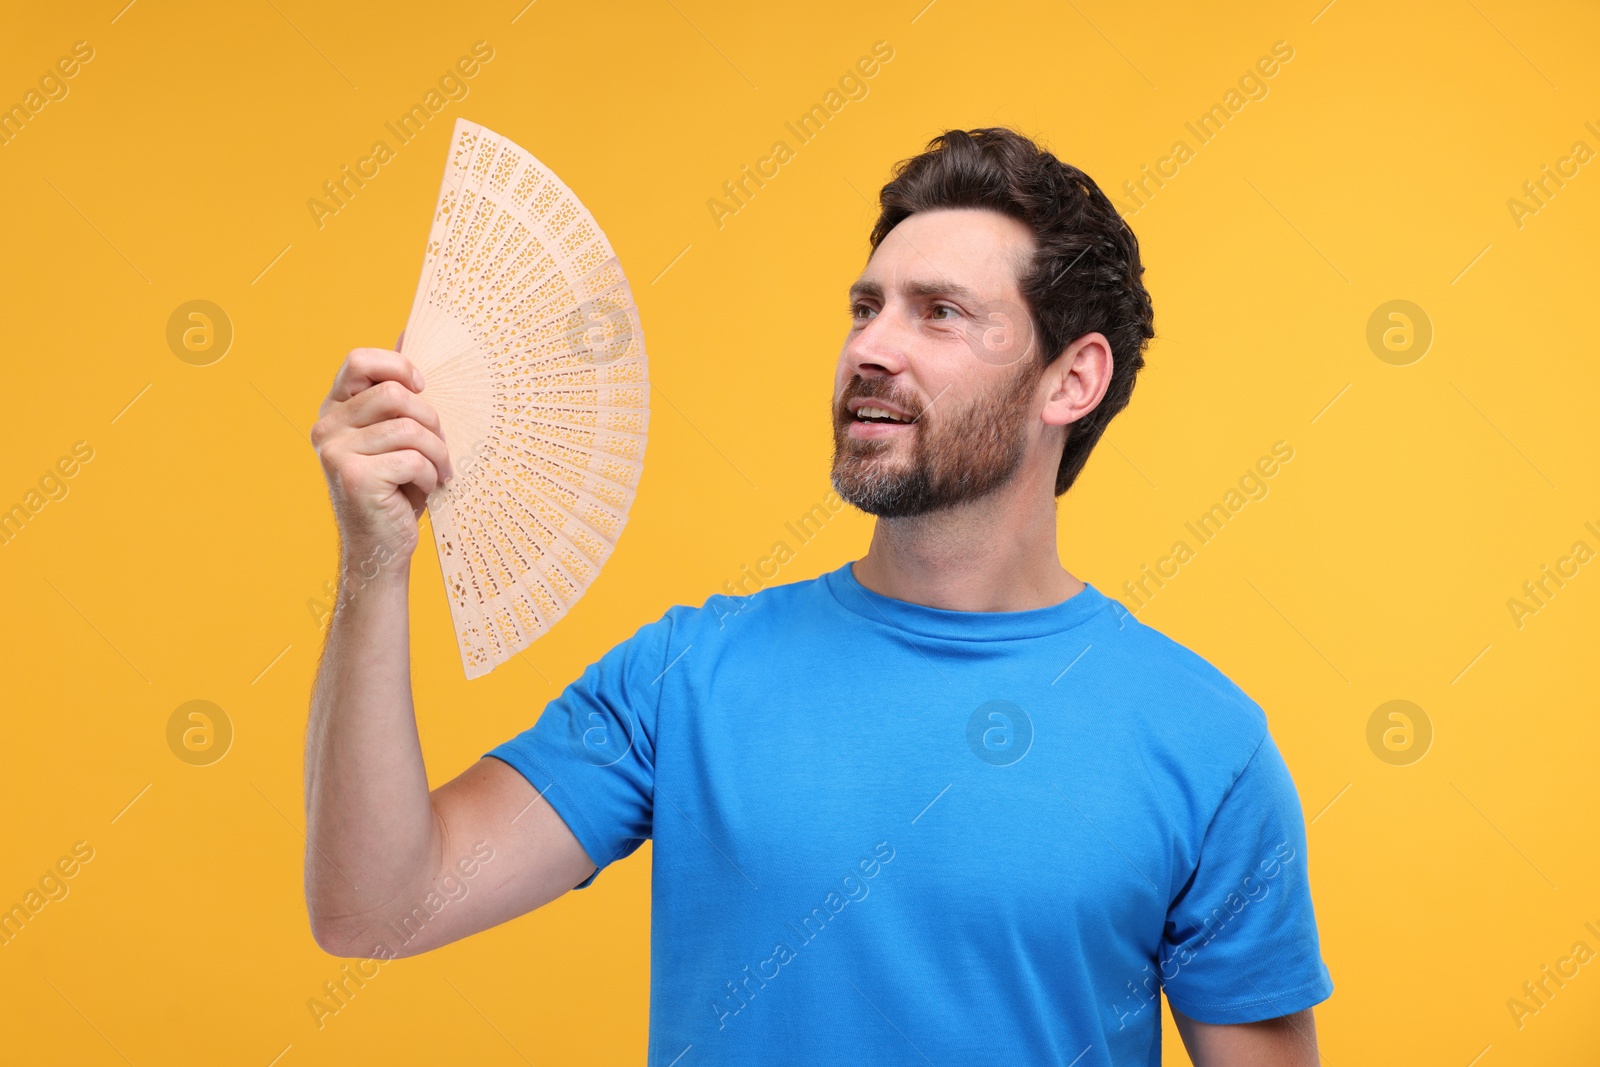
(1077, 380)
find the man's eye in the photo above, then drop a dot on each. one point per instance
(946, 307)
(858, 310)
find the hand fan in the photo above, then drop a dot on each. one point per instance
(532, 353)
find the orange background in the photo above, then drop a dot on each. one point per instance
(186, 558)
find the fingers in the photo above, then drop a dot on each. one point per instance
(385, 420)
(368, 481)
(398, 434)
(381, 402)
(408, 467)
(366, 367)
(418, 499)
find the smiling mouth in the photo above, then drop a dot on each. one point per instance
(868, 413)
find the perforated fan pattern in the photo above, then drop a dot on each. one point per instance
(531, 350)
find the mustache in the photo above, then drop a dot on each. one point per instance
(877, 389)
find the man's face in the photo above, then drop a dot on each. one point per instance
(940, 338)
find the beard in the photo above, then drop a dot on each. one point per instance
(951, 457)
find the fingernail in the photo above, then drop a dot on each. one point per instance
(416, 376)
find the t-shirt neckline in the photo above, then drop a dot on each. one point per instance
(845, 588)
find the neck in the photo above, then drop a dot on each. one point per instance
(997, 553)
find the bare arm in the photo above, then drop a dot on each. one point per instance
(392, 869)
(1287, 1041)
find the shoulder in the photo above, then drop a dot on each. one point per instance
(724, 616)
(1201, 739)
(1168, 660)
(1184, 697)
(691, 645)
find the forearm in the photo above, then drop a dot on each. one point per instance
(370, 828)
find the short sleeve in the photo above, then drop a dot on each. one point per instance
(1241, 941)
(591, 754)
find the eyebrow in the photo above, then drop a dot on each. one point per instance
(915, 288)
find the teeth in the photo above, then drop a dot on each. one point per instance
(867, 411)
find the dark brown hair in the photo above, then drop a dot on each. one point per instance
(1085, 273)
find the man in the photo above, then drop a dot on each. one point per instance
(944, 804)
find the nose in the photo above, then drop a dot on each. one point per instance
(877, 348)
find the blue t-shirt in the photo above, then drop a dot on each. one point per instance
(888, 833)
